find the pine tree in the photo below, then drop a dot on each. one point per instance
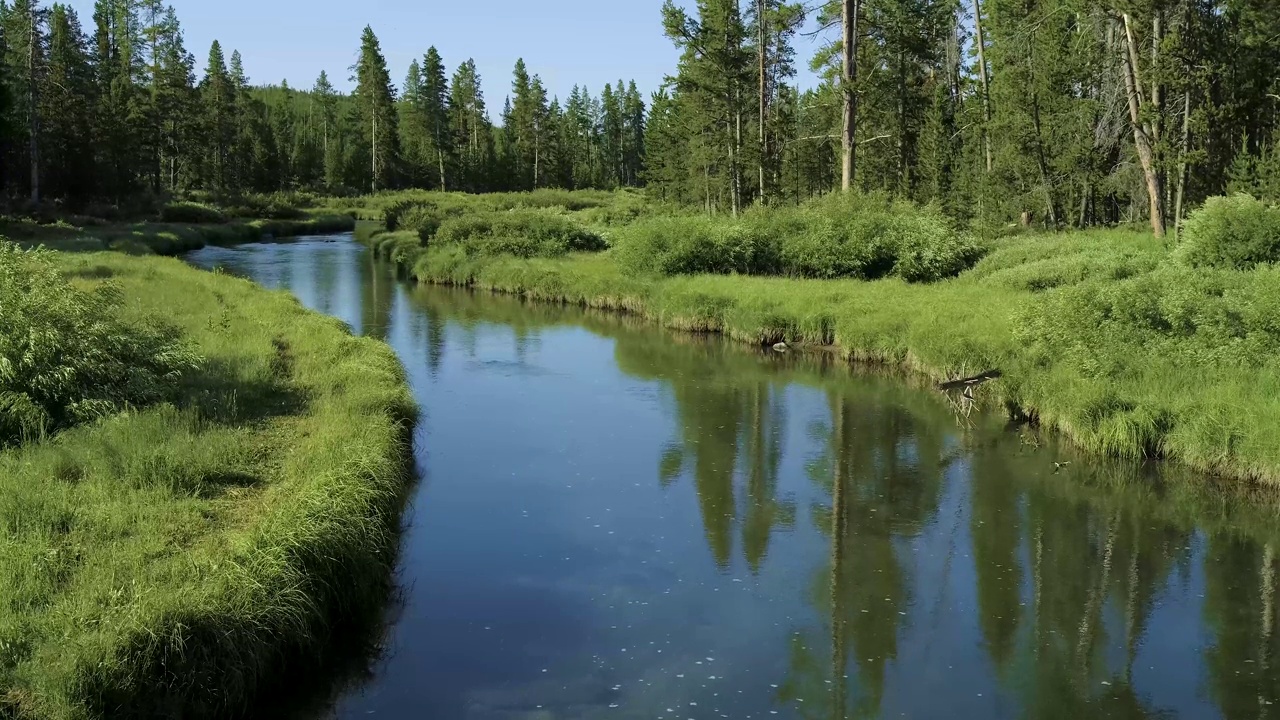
(173, 102)
(633, 124)
(6, 106)
(327, 119)
(713, 79)
(26, 61)
(435, 107)
(121, 118)
(375, 102)
(470, 128)
(218, 103)
(415, 139)
(66, 107)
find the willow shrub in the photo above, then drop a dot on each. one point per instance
(1237, 232)
(190, 212)
(693, 245)
(521, 233)
(860, 238)
(66, 357)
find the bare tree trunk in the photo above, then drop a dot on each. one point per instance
(1182, 164)
(1142, 136)
(1043, 162)
(762, 58)
(374, 151)
(848, 77)
(985, 82)
(736, 165)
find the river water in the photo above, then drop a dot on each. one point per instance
(615, 521)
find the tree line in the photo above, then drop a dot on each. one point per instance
(1058, 112)
(118, 111)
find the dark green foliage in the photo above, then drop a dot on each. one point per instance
(270, 206)
(862, 238)
(693, 245)
(928, 249)
(189, 212)
(66, 356)
(1236, 232)
(522, 233)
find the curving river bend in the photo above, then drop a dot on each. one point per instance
(620, 522)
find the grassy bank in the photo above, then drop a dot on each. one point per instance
(164, 238)
(1104, 336)
(185, 557)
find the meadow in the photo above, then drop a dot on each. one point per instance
(1128, 345)
(175, 227)
(200, 497)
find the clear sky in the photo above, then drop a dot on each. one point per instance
(587, 42)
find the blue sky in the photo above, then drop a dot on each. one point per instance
(564, 41)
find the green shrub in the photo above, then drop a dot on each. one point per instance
(189, 212)
(690, 245)
(275, 206)
(1236, 232)
(66, 358)
(928, 249)
(522, 233)
(815, 245)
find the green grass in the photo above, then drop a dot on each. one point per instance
(1101, 336)
(186, 558)
(163, 238)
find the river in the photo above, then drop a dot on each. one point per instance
(615, 521)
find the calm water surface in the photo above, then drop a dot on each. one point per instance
(618, 522)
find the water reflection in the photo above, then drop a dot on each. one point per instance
(628, 523)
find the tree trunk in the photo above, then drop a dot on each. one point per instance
(762, 57)
(985, 82)
(848, 78)
(1141, 135)
(374, 151)
(33, 118)
(1182, 165)
(1051, 210)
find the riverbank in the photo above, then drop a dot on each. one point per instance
(165, 238)
(188, 557)
(1098, 336)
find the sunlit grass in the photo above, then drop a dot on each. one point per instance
(1191, 377)
(184, 558)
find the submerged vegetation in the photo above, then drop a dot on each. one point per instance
(198, 509)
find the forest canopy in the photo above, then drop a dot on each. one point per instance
(1066, 113)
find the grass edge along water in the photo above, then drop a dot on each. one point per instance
(187, 557)
(1048, 311)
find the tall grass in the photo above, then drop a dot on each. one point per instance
(66, 355)
(184, 560)
(1099, 335)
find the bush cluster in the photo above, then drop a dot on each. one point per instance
(865, 238)
(1237, 232)
(522, 233)
(275, 206)
(66, 357)
(191, 212)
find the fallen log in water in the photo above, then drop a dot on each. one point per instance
(971, 382)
